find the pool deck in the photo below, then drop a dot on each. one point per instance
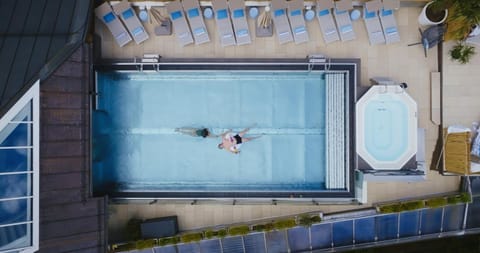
(397, 61)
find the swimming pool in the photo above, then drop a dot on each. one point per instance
(386, 127)
(136, 150)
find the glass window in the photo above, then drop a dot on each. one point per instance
(14, 186)
(14, 211)
(25, 114)
(15, 159)
(16, 134)
(14, 237)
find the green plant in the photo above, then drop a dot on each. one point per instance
(238, 230)
(133, 229)
(462, 52)
(125, 247)
(209, 234)
(465, 197)
(168, 241)
(412, 205)
(436, 10)
(390, 208)
(191, 237)
(222, 233)
(144, 244)
(284, 224)
(463, 15)
(436, 202)
(307, 220)
(263, 227)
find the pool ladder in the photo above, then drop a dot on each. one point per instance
(317, 59)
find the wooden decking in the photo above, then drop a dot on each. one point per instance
(70, 220)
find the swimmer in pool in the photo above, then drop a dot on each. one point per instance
(231, 142)
(196, 132)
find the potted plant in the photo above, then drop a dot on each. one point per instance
(434, 12)
(462, 52)
(463, 19)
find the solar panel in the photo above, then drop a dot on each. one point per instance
(188, 248)
(254, 243)
(453, 217)
(365, 230)
(473, 219)
(321, 235)
(232, 244)
(387, 226)
(298, 239)
(276, 241)
(166, 249)
(431, 221)
(342, 233)
(210, 246)
(409, 223)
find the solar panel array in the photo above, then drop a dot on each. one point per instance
(331, 234)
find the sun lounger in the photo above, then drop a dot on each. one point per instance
(240, 25)
(195, 18)
(280, 21)
(344, 23)
(372, 22)
(297, 23)
(180, 25)
(105, 13)
(390, 28)
(131, 21)
(224, 25)
(325, 18)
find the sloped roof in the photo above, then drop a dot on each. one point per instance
(35, 37)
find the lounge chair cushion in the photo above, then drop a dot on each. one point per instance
(279, 12)
(296, 13)
(238, 13)
(387, 12)
(137, 31)
(222, 14)
(199, 31)
(369, 14)
(176, 14)
(109, 17)
(323, 12)
(241, 33)
(127, 14)
(391, 30)
(300, 29)
(346, 28)
(339, 12)
(193, 13)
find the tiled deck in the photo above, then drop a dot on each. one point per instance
(402, 63)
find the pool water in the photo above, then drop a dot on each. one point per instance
(135, 147)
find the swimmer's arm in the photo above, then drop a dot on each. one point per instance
(225, 133)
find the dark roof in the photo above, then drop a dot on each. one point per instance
(35, 37)
(70, 220)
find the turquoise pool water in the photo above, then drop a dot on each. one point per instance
(386, 128)
(135, 147)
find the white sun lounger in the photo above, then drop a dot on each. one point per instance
(105, 13)
(372, 22)
(390, 28)
(224, 25)
(280, 21)
(297, 23)
(240, 25)
(342, 17)
(325, 19)
(129, 17)
(195, 19)
(180, 25)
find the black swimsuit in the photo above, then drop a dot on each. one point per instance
(238, 139)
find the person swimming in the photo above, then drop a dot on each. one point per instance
(195, 132)
(232, 142)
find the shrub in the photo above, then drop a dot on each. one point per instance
(133, 229)
(144, 244)
(465, 197)
(192, 237)
(436, 202)
(239, 230)
(263, 227)
(392, 208)
(462, 53)
(284, 224)
(222, 233)
(125, 247)
(168, 241)
(209, 234)
(412, 205)
(307, 220)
